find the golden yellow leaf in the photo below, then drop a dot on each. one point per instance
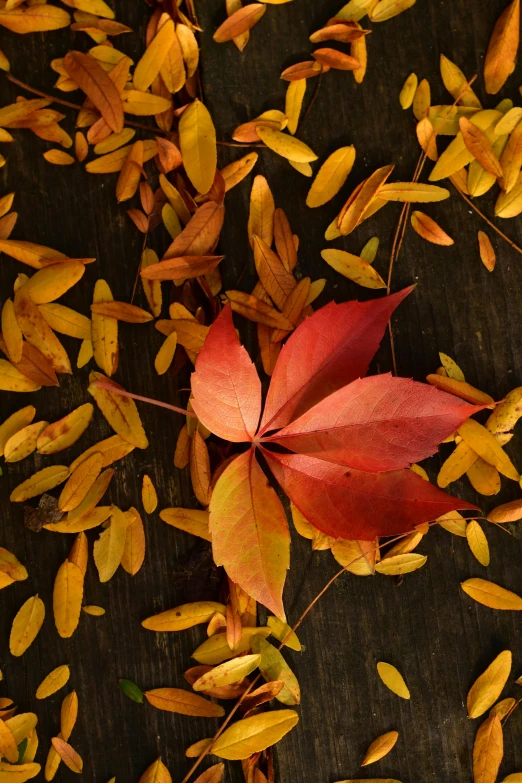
(274, 668)
(194, 750)
(113, 162)
(52, 764)
(15, 423)
(130, 174)
(23, 443)
(478, 542)
(331, 176)
(67, 598)
(486, 446)
(457, 155)
(97, 7)
(156, 773)
(63, 433)
(228, 672)
(112, 449)
(287, 146)
(488, 750)
(480, 147)
(412, 191)
(104, 332)
(11, 566)
(294, 102)
(189, 520)
(121, 311)
(40, 482)
(401, 564)
(150, 64)
(197, 138)
(428, 229)
(215, 773)
(460, 389)
(80, 482)
(26, 625)
(18, 773)
(262, 209)
(239, 22)
(358, 557)
(235, 172)
(120, 412)
(488, 687)
(135, 544)
(66, 321)
(68, 714)
(6, 202)
(502, 708)
(184, 616)
(53, 682)
(28, 252)
(422, 100)
(183, 702)
(484, 477)
(507, 512)
(354, 268)
(68, 755)
(251, 735)
(95, 611)
(109, 547)
(387, 9)
(36, 18)
(256, 310)
(114, 141)
(216, 649)
(502, 48)
(11, 332)
(393, 679)
(359, 51)
(85, 353)
(38, 333)
(361, 199)
(283, 633)
(455, 82)
(58, 157)
(380, 747)
(492, 595)
(149, 498)
(200, 468)
(8, 747)
(408, 91)
(165, 355)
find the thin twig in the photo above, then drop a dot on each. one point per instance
(311, 104)
(488, 221)
(114, 390)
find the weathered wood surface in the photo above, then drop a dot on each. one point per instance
(438, 637)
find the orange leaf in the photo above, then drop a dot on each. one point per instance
(428, 229)
(241, 21)
(502, 49)
(480, 147)
(96, 84)
(487, 254)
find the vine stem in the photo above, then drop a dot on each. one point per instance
(486, 219)
(254, 682)
(131, 123)
(123, 393)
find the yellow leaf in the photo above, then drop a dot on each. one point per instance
(189, 520)
(66, 321)
(15, 423)
(502, 49)
(412, 191)
(113, 162)
(358, 557)
(21, 725)
(38, 333)
(80, 482)
(23, 442)
(184, 616)
(40, 482)
(120, 412)
(354, 268)
(216, 650)
(114, 141)
(457, 155)
(63, 433)
(18, 773)
(37, 18)
(149, 497)
(85, 353)
(95, 611)
(97, 7)
(293, 103)
(68, 714)
(165, 355)
(58, 157)
(130, 174)
(68, 755)
(8, 747)
(486, 446)
(109, 547)
(274, 668)
(487, 253)
(478, 542)
(455, 82)
(134, 550)
(422, 100)
(28, 252)
(488, 687)
(380, 747)
(492, 595)
(331, 176)
(104, 332)
(150, 64)
(10, 565)
(197, 138)
(67, 598)
(112, 449)
(26, 625)
(122, 311)
(283, 633)
(93, 496)
(53, 682)
(200, 468)
(228, 672)
(488, 750)
(251, 735)
(401, 564)
(408, 90)
(361, 200)
(460, 389)
(92, 79)
(262, 209)
(156, 773)
(287, 146)
(387, 9)
(393, 679)
(183, 702)
(235, 172)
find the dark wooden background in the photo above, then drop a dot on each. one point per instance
(437, 636)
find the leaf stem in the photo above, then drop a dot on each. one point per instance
(124, 393)
(488, 221)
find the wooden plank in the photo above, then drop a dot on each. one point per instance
(437, 637)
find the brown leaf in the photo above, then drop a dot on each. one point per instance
(256, 310)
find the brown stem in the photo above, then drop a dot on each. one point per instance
(310, 606)
(240, 144)
(114, 390)
(134, 287)
(312, 101)
(488, 221)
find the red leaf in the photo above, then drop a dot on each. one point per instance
(225, 386)
(329, 350)
(250, 536)
(358, 505)
(376, 424)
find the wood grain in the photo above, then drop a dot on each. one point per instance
(438, 638)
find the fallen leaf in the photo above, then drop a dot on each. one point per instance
(67, 598)
(183, 702)
(198, 144)
(380, 747)
(26, 625)
(428, 229)
(502, 49)
(68, 755)
(491, 595)
(93, 80)
(53, 682)
(488, 750)
(393, 679)
(488, 687)
(254, 734)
